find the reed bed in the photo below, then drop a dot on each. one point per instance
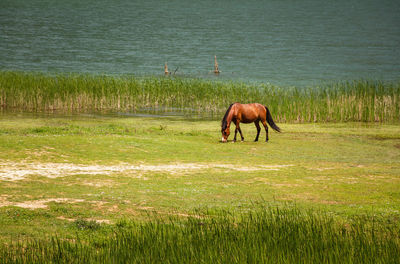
(267, 235)
(367, 101)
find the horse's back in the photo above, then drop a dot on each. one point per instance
(248, 113)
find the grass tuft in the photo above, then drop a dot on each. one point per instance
(83, 224)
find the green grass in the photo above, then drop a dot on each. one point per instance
(371, 101)
(265, 235)
(333, 198)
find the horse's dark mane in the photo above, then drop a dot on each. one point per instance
(224, 123)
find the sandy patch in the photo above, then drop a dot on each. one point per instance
(99, 221)
(35, 204)
(66, 219)
(12, 171)
(42, 203)
(322, 169)
(339, 167)
(4, 201)
(254, 168)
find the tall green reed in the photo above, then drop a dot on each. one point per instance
(367, 101)
(265, 235)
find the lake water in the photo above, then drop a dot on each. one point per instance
(284, 42)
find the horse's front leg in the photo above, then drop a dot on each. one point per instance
(238, 129)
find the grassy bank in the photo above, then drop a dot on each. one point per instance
(347, 101)
(107, 167)
(264, 235)
(108, 188)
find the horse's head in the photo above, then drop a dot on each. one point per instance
(225, 134)
(225, 123)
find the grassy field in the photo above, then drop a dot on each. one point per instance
(371, 101)
(114, 180)
(265, 235)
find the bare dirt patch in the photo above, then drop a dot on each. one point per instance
(4, 201)
(335, 167)
(43, 203)
(322, 169)
(12, 171)
(36, 204)
(99, 221)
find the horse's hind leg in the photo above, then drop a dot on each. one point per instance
(266, 129)
(257, 123)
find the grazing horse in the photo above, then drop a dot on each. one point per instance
(246, 113)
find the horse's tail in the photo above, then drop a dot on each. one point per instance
(271, 121)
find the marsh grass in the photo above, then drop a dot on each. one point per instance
(263, 235)
(367, 101)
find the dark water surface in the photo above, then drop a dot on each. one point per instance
(285, 42)
(156, 114)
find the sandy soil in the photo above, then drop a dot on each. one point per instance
(12, 171)
(35, 204)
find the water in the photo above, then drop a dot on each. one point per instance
(284, 42)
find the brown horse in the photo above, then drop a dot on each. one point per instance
(246, 113)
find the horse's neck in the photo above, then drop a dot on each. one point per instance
(229, 118)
